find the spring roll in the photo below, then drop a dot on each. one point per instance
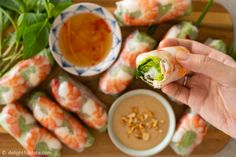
(217, 44)
(183, 30)
(189, 134)
(159, 67)
(20, 124)
(76, 98)
(26, 75)
(119, 76)
(148, 12)
(66, 128)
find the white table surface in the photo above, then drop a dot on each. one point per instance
(230, 149)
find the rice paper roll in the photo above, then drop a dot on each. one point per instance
(189, 134)
(160, 67)
(24, 76)
(75, 97)
(120, 75)
(20, 124)
(66, 128)
(148, 12)
(183, 30)
(217, 44)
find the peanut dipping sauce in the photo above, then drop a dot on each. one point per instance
(85, 39)
(151, 136)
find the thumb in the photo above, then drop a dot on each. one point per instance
(207, 66)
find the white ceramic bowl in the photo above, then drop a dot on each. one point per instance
(155, 149)
(78, 9)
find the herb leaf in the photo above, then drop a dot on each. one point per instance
(60, 7)
(30, 4)
(14, 5)
(188, 139)
(26, 20)
(35, 38)
(55, 2)
(5, 21)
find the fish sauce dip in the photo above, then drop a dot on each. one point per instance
(85, 39)
(140, 122)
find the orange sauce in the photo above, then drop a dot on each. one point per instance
(85, 39)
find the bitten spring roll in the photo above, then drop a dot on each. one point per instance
(119, 76)
(66, 128)
(148, 12)
(20, 124)
(24, 76)
(189, 134)
(76, 98)
(159, 67)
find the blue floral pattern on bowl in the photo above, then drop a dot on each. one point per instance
(85, 8)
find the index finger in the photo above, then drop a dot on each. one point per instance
(198, 48)
(193, 46)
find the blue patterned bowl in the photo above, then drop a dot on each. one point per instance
(85, 8)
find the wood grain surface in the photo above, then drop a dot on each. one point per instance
(217, 24)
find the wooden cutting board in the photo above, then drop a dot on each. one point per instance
(217, 24)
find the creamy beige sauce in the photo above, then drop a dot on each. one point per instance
(144, 103)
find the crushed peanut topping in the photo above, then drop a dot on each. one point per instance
(139, 123)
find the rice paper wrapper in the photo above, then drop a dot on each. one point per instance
(24, 76)
(217, 44)
(21, 125)
(159, 67)
(66, 127)
(184, 30)
(77, 98)
(189, 134)
(148, 12)
(119, 76)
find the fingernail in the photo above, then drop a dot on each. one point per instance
(182, 56)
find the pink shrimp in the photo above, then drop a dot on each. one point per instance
(193, 126)
(73, 134)
(42, 68)
(116, 79)
(178, 9)
(74, 97)
(16, 114)
(120, 75)
(193, 122)
(72, 101)
(93, 114)
(149, 11)
(49, 114)
(24, 76)
(15, 88)
(37, 137)
(61, 123)
(129, 57)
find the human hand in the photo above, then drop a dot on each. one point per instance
(211, 89)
